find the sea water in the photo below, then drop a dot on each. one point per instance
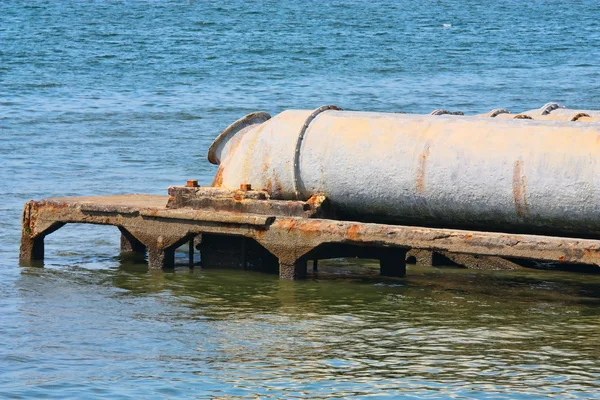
(108, 97)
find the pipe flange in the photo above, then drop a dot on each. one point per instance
(310, 118)
(229, 132)
(579, 115)
(497, 111)
(446, 112)
(549, 107)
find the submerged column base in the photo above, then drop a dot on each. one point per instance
(32, 249)
(292, 270)
(161, 258)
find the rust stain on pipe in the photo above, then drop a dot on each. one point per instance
(218, 180)
(422, 169)
(274, 187)
(520, 189)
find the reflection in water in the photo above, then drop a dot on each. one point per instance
(446, 331)
(92, 318)
(433, 325)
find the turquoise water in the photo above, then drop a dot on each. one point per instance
(116, 97)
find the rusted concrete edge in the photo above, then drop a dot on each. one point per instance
(291, 238)
(535, 247)
(224, 217)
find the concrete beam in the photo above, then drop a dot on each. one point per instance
(288, 238)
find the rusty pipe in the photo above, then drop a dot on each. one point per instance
(506, 174)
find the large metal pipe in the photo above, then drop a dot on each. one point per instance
(512, 175)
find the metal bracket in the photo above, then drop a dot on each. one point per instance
(310, 118)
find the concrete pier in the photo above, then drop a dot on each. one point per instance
(250, 232)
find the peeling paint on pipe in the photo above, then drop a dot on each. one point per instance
(505, 174)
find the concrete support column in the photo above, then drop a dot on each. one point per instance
(191, 250)
(292, 270)
(161, 248)
(392, 262)
(159, 258)
(130, 244)
(32, 249)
